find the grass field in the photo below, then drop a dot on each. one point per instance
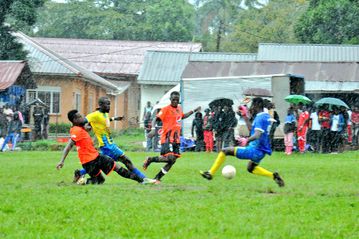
(320, 200)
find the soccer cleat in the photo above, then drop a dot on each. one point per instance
(278, 179)
(147, 163)
(77, 176)
(207, 175)
(149, 181)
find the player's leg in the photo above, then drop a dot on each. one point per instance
(171, 160)
(254, 168)
(93, 168)
(221, 157)
(166, 149)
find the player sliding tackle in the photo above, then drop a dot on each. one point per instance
(91, 160)
(257, 148)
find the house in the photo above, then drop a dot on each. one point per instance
(118, 61)
(162, 70)
(63, 85)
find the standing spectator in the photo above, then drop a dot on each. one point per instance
(276, 122)
(314, 135)
(13, 132)
(38, 116)
(45, 123)
(336, 127)
(218, 127)
(324, 120)
(147, 111)
(302, 127)
(230, 122)
(349, 127)
(197, 125)
(355, 125)
(157, 127)
(8, 112)
(3, 123)
(289, 129)
(208, 130)
(148, 126)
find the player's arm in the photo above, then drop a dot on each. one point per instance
(257, 134)
(191, 112)
(66, 151)
(118, 118)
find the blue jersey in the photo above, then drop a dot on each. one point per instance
(262, 123)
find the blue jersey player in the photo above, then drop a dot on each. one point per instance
(258, 147)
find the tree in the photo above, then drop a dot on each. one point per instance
(162, 20)
(15, 14)
(330, 21)
(273, 22)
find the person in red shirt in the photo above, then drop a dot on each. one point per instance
(93, 162)
(324, 120)
(171, 117)
(354, 118)
(303, 123)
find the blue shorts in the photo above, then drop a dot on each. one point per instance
(250, 153)
(111, 150)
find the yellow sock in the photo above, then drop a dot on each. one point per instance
(262, 171)
(219, 161)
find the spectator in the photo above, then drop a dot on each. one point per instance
(8, 112)
(355, 125)
(218, 127)
(158, 130)
(13, 132)
(147, 111)
(38, 116)
(302, 127)
(197, 126)
(230, 122)
(337, 124)
(208, 130)
(45, 123)
(276, 122)
(3, 123)
(349, 127)
(289, 129)
(324, 120)
(148, 126)
(314, 134)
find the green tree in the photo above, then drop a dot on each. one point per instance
(15, 14)
(273, 22)
(329, 21)
(163, 20)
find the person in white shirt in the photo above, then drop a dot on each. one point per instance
(315, 132)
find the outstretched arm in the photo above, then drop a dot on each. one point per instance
(118, 118)
(191, 112)
(66, 151)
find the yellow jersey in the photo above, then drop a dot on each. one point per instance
(100, 123)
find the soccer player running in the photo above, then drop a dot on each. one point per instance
(100, 123)
(91, 160)
(258, 147)
(171, 117)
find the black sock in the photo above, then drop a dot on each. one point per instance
(128, 174)
(159, 175)
(154, 159)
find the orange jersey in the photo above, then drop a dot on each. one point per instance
(172, 122)
(84, 145)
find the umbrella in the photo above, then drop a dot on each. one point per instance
(221, 102)
(295, 99)
(331, 101)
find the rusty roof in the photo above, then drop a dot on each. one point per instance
(10, 72)
(111, 56)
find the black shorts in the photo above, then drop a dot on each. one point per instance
(170, 148)
(101, 163)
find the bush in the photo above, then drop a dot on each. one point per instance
(62, 128)
(42, 145)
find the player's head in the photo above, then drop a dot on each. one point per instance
(174, 98)
(257, 105)
(104, 104)
(75, 118)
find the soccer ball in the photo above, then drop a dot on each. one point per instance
(229, 171)
(81, 181)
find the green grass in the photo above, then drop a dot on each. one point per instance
(320, 200)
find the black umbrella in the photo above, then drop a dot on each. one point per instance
(220, 102)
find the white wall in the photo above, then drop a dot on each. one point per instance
(152, 93)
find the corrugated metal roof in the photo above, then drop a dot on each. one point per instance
(308, 52)
(45, 61)
(9, 72)
(166, 67)
(111, 56)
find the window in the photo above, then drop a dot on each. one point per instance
(49, 95)
(78, 101)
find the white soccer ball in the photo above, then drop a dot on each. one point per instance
(229, 171)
